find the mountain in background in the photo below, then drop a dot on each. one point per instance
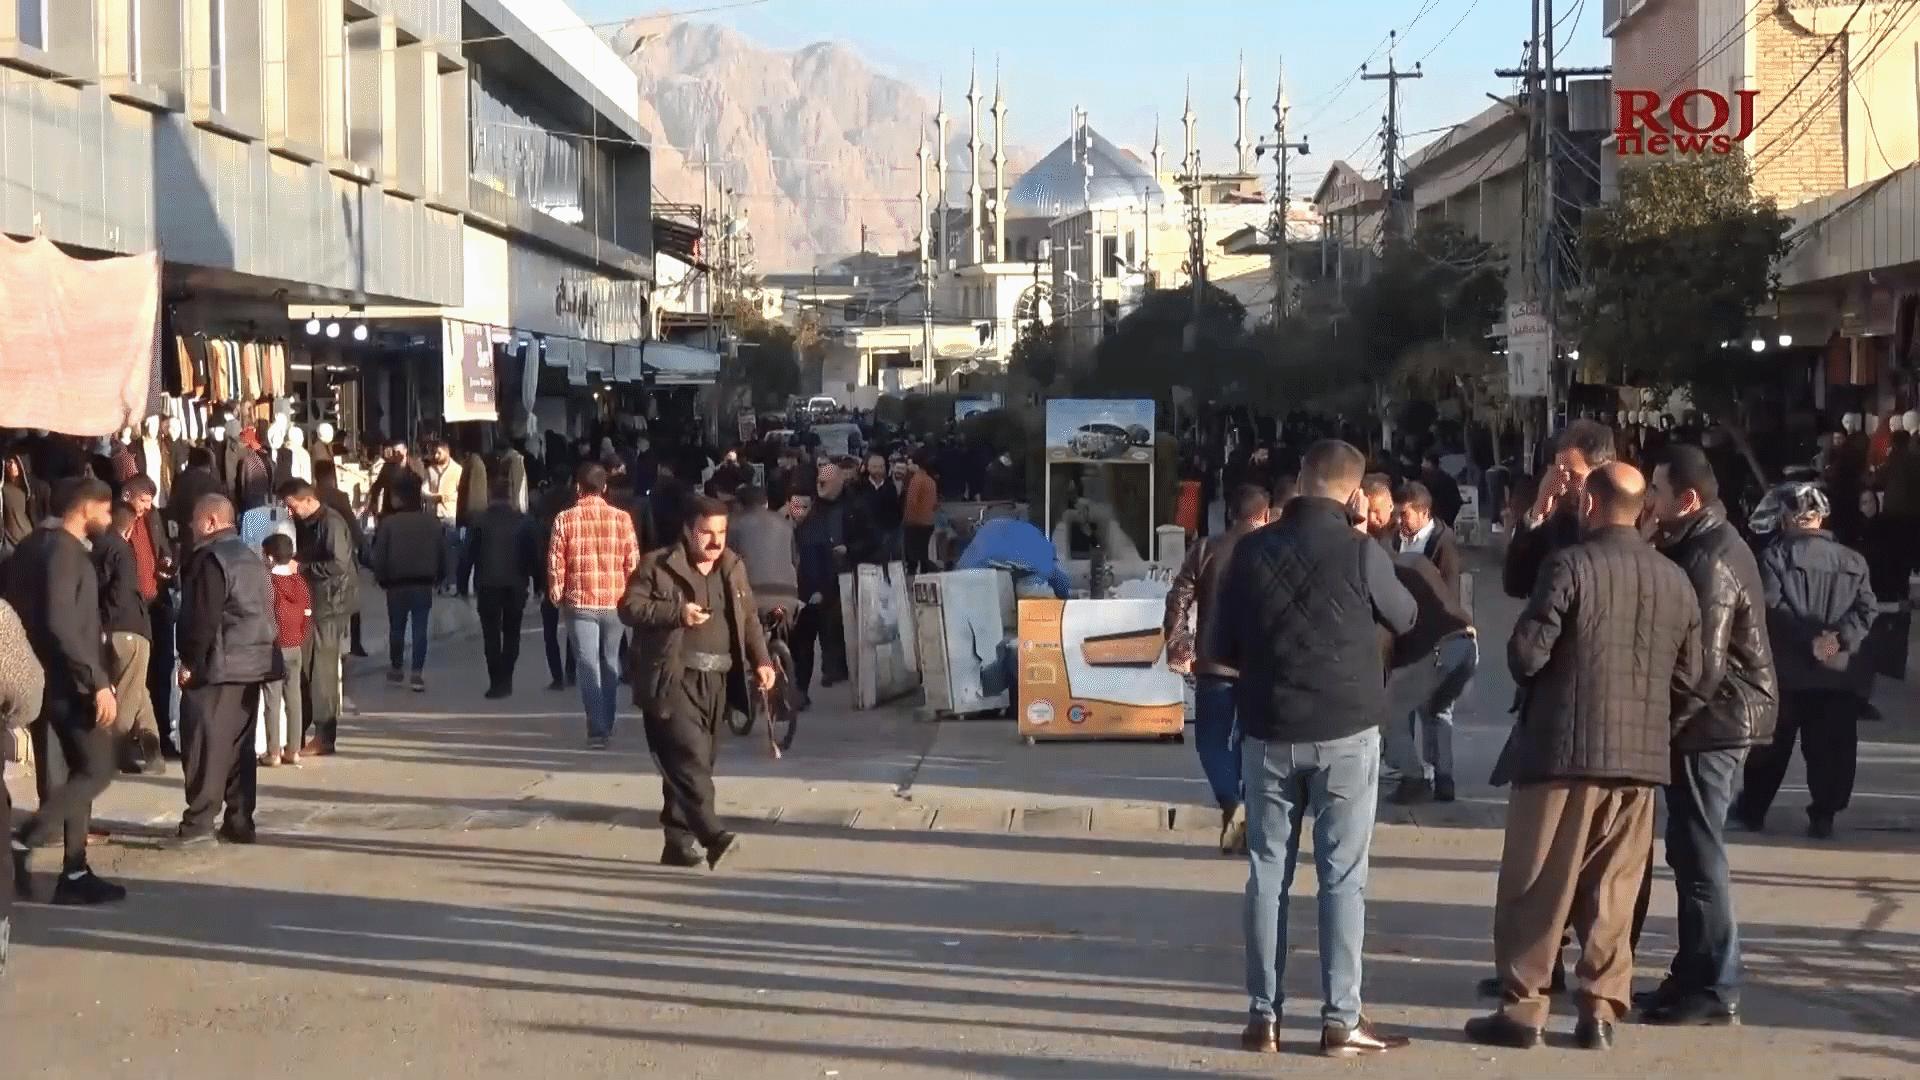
(817, 141)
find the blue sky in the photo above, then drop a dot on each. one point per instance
(1126, 60)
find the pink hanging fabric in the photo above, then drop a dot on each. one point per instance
(76, 338)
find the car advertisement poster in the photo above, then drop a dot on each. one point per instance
(1099, 431)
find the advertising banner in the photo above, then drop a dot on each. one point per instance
(466, 372)
(1096, 669)
(1099, 431)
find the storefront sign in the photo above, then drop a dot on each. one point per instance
(549, 296)
(466, 372)
(1529, 352)
(1640, 128)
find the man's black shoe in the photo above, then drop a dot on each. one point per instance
(1262, 1036)
(1499, 1029)
(1690, 1010)
(1820, 827)
(239, 832)
(680, 856)
(1655, 998)
(557, 685)
(1443, 789)
(495, 693)
(724, 846)
(84, 888)
(1591, 1034)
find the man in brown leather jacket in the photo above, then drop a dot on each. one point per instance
(696, 633)
(1197, 586)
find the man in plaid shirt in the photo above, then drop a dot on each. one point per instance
(591, 555)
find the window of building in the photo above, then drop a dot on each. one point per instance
(1110, 256)
(1133, 258)
(217, 55)
(30, 21)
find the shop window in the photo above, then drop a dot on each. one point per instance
(30, 22)
(217, 55)
(1110, 256)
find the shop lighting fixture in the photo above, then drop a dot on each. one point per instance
(1786, 341)
(1573, 354)
(313, 327)
(333, 329)
(360, 332)
(1759, 345)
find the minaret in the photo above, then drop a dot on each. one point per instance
(999, 170)
(974, 224)
(1086, 161)
(926, 255)
(1156, 152)
(1280, 108)
(1187, 120)
(1240, 144)
(941, 122)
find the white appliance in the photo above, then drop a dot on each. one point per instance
(960, 620)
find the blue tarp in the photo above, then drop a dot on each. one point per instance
(1020, 546)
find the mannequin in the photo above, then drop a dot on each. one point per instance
(1850, 423)
(1896, 423)
(279, 462)
(322, 441)
(1910, 422)
(150, 459)
(299, 463)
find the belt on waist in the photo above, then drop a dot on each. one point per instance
(706, 661)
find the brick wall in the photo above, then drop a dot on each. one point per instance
(1797, 156)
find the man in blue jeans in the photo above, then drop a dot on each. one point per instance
(592, 553)
(1301, 615)
(1197, 588)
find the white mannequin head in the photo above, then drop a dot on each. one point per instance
(296, 438)
(1850, 423)
(1896, 422)
(276, 436)
(1911, 421)
(323, 432)
(150, 427)
(217, 433)
(127, 435)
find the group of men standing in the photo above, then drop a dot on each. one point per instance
(1652, 655)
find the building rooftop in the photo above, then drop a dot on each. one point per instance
(1059, 184)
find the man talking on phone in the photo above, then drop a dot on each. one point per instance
(697, 650)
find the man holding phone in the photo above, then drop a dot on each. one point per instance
(696, 634)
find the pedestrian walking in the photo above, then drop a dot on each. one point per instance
(589, 559)
(1606, 655)
(504, 545)
(155, 568)
(323, 548)
(281, 707)
(1737, 700)
(1304, 604)
(1194, 600)
(919, 511)
(22, 687)
(1820, 611)
(562, 664)
(229, 650)
(696, 639)
(53, 586)
(409, 562)
(124, 618)
(441, 494)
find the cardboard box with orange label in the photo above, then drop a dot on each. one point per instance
(1095, 669)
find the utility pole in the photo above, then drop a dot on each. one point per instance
(1390, 138)
(1196, 249)
(1277, 225)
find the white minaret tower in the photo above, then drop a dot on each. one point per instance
(1187, 120)
(1157, 153)
(926, 254)
(999, 170)
(1086, 160)
(1241, 147)
(941, 122)
(975, 226)
(1280, 109)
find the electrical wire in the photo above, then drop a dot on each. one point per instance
(1832, 44)
(1834, 91)
(1450, 30)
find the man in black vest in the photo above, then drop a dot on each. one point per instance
(226, 641)
(1301, 615)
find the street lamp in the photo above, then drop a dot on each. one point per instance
(1759, 345)
(1786, 341)
(313, 327)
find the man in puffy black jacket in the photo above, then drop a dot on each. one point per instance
(1738, 698)
(1301, 612)
(1820, 608)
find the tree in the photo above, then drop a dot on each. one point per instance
(1675, 268)
(768, 364)
(1440, 286)
(1036, 354)
(1146, 353)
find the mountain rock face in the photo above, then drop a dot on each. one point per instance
(815, 142)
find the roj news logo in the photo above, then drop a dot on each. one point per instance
(1646, 125)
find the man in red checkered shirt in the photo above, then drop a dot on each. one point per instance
(592, 554)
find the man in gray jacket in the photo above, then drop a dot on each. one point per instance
(327, 558)
(763, 539)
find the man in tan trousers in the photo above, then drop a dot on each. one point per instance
(1606, 654)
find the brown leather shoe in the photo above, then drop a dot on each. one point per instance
(1261, 1037)
(316, 748)
(1360, 1040)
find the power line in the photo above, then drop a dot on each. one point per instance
(1450, 30)
(1831, 93)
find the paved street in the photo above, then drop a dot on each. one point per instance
(466, 892)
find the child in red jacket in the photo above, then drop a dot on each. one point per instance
(281, 716)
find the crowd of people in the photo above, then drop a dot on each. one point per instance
(1662, 653)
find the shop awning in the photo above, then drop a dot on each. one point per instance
(681, 365)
